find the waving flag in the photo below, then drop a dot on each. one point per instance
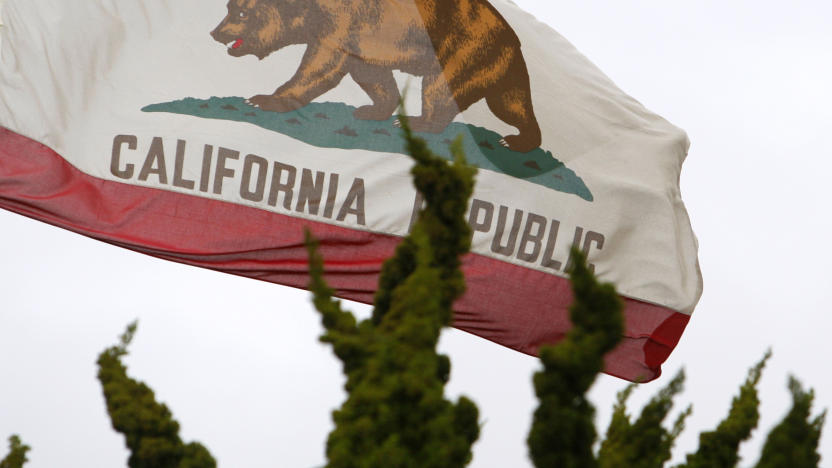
(212, 133)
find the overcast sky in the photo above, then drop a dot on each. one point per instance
(238, 361)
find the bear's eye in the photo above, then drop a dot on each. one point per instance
(243, 15)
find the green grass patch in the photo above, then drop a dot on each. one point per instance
(332, 125)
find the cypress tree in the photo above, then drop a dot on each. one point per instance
(720, 447)
(17, 454)
(563, 430)
(793, 443)
(396, 414)
(563, 427)
(151, 433)
(645, 443)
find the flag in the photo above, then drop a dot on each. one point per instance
(211, 133)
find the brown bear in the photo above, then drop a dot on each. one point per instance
(464, 50)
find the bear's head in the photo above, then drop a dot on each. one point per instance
(260, 27)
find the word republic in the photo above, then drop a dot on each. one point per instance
(529, 237)
(525, 236)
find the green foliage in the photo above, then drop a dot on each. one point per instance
(645, 443)
(396, 414)
(563, 429)
(151, 433)
(720, 447)
(794, 442)
(17, 454)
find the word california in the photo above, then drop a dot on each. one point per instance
(277, 184)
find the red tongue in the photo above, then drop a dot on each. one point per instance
(237, 43)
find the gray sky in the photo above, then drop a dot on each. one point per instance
(238, 360)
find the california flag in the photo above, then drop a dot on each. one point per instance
(212, 132)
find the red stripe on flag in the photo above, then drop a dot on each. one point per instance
(514, 306)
